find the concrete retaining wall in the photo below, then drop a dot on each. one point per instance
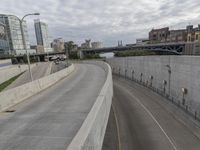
(153, 70)
(8, 72)
(91, 134)
(5, 62)
(48, 71)
(16, 95)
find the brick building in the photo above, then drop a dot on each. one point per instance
(177, 36)
(197, 35)
(159, 35)
(163, 35)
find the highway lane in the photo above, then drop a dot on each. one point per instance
(146, 121)
(38, 71)
(50, 120)
(111, 135)
(58, 67)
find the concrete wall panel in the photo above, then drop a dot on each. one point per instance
(185, 73)
(91, 134)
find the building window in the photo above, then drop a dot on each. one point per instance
(197, 37)
(189, 38)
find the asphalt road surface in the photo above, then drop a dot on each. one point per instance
(37, 72)
(58, 67)
(50, 120)
(111, 137)
(146, 121)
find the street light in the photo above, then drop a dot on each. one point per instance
(24, 41)
(23, 38)
(169, 78)
(184, 91)
(164, 85)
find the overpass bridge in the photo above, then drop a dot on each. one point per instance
(40, 56)
(171, 48)
(166, 48)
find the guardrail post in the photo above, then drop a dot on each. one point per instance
(141, 75)
(184, 91)
(133, 74)
(125, 73)
(151, 81)
(164, 86)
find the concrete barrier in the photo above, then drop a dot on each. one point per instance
(91, 134)
(10, 71)
(48, 71)
(5, 62)
(167, 75)
(16, 95)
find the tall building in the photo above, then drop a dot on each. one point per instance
(189, 34)
(177, 36)
(96, 45)
(58, 45)
(86, 45)
(41, 31)
(158, 35)
(13, 31)
(197, 34)
(4, 46)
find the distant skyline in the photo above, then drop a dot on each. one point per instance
(104, 20)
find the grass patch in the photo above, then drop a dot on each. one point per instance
(8, 82)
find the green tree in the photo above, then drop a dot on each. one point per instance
(69, 47)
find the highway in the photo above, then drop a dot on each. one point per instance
(146, 121)
(57, 67)
(38, 71)
(50, 120)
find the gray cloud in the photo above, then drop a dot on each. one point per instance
(105, 20)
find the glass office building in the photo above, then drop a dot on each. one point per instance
(4, 46)
(14, 34)
(41, 32)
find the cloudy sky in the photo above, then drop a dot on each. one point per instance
(105, 20)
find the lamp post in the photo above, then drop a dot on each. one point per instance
(169, 78)
(24, 40)
(164, 86)
(184, 91)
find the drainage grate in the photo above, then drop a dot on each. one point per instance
(10, 111)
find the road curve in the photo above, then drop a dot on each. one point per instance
(50, 120)
(146, 121)
(58, 67)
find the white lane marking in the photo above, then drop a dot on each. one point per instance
(151, 115)
(117, 124)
